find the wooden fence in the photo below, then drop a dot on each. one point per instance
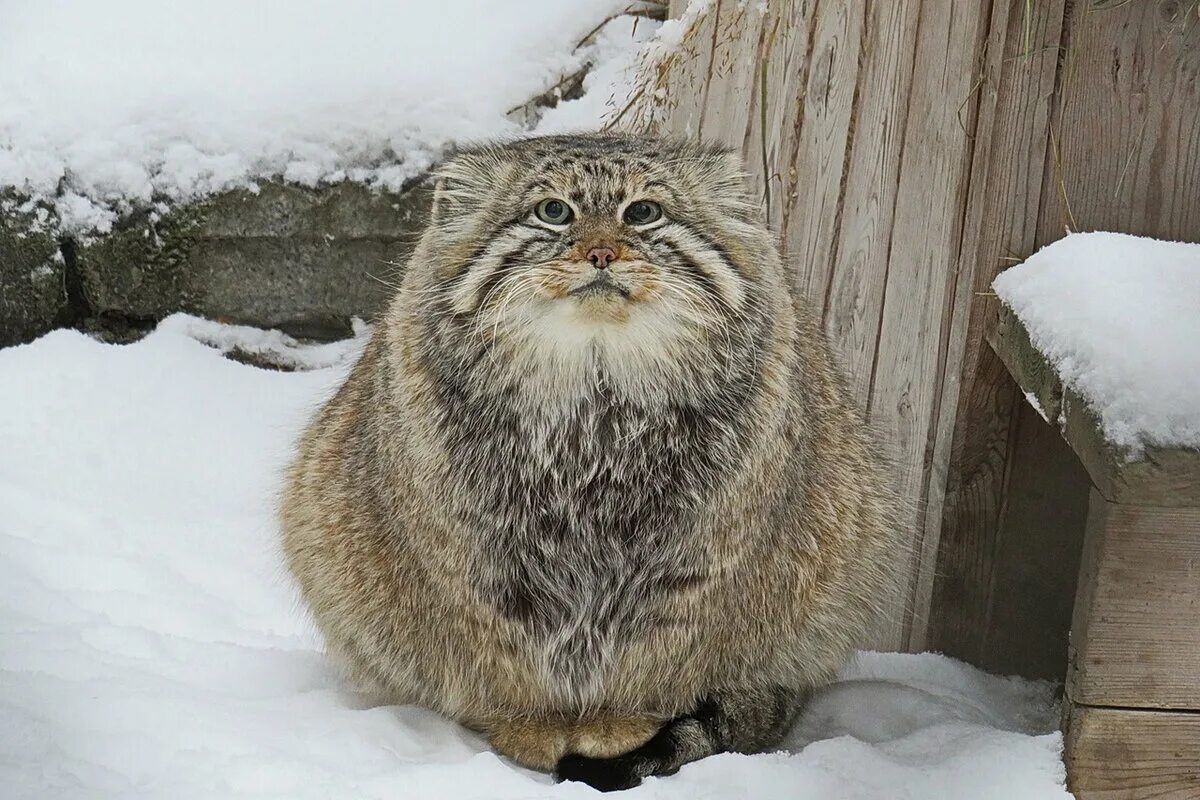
(908, 150)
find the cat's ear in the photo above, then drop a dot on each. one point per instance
(465, 183)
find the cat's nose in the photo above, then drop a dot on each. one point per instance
(601, 257)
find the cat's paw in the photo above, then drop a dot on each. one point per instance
(604, 774)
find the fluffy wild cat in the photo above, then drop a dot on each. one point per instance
(595, 487)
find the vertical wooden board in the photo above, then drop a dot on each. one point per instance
(854, 296)
(690, 73)
(781, 72)
(961, 595)
(1127, 130)
(727, 95)
(915, 319)
(1135, 638)
(979, 402)
(813, 156)
(1120, 754)
(669, 95)
(1030, 579)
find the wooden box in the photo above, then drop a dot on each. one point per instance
(1132, 707)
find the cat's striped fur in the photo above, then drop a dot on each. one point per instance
(617, 522)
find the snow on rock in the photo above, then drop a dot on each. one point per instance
(151, 645)
(104, 105)
(1118, 317)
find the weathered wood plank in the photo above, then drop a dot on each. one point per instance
(898, 202)
(733, 75)
(1030, 574)
(979, 407)
(817, 145)
(1135, 638)
(858, 275)
(915, 321)
(780, 87)
(1119, 754)
(1128, 142)
(1161, 476)
(657, 103)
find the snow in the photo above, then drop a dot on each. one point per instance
(617, 57)
(151, 645)
(1031, 398)
(107, 106)
(1118, 317)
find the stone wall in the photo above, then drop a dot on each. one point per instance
(33, 293)
(304, 260)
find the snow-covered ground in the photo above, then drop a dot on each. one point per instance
(104, 105)
(151, 645)
(1118, 317)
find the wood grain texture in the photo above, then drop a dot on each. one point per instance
(1126, 131)
(817, 140)
(980, 404)
(733, 73)
(1028, 579)
(777, 74)
(916, 320)
(1135, 637)
(655, 105)
(858, 269)
(1120, 754)
(1159, 476)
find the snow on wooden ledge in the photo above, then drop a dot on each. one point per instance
(1117, 317)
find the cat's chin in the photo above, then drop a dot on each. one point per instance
(601, 308)
(599, 288)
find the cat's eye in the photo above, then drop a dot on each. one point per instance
(642, 212)
(553, 211)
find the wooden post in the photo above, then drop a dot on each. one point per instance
(1132, 698)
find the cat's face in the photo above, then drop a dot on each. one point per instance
(641, 247)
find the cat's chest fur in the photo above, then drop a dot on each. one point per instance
(586, 520)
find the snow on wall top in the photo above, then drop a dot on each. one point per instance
(107, 104)
(1118, 317)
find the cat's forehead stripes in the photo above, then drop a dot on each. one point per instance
(593, 183)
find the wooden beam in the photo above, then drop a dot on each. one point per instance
(1159, 476)
(1123, 754)
(1135, 638)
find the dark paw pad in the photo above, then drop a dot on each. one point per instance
(605, 774)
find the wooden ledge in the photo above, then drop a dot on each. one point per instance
(1128, 754)
(1162, 477)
